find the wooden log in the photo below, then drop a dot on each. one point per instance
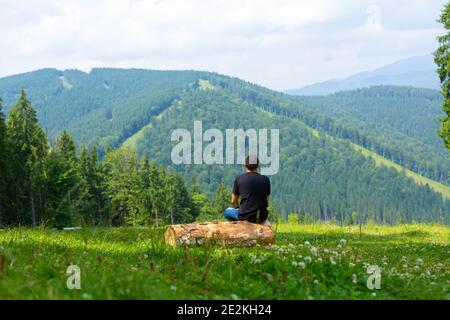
(236, 233)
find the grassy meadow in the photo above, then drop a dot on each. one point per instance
(315, 261)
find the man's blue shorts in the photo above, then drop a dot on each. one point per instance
(232, 214)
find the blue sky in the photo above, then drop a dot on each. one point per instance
(279, 44)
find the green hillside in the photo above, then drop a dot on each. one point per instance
(321, 176)
(380, 161)
(399, 123)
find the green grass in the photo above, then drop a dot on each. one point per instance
(133, 263)
(379, 160)
(132, 141)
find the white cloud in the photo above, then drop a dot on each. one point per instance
(280, 44)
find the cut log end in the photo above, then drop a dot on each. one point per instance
(239, 233)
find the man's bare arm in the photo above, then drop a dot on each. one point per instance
(234, 200)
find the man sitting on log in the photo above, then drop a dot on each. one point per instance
(254, 190)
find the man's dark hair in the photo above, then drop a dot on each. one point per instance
(252, 162)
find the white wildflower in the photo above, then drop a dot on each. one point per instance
(255, 260)
(87, 296)
(308, 259)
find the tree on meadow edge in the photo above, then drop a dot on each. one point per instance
(62, 182)
(122, 185)
(222, 200)
(156, 192)
(442, 59)
(93, 207)
(182, 208)
(29, 147)
(3, 164)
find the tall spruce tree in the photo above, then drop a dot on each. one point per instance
(123, 185)
(29, 147)
(3, 163)
(178, 200)
(222, 199)
(156, 191)
(63, 182)
(93, 205)
(442, 59)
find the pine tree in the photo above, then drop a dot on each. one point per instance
(123, 185)
(157, 192)
(442, 59)
(194, 187)
(65, 147)
(194, 192)
(63, 182)
(3, 164)
(178, 199)
(222, 199)
(145, 194)
(91, 205)
(28, 152)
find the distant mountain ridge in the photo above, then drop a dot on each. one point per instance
(415, 72)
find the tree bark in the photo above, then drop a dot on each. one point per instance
(236, 233)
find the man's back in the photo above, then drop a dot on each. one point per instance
(253, 190)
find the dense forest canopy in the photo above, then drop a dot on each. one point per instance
(442, 58)
(112, 112)
(400, 123)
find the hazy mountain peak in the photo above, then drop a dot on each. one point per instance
(419, 71)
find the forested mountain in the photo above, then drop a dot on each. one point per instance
(419, 72)
(321, 176)
(399, 123)
(105, 106)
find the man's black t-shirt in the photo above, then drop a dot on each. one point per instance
(253, 189)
